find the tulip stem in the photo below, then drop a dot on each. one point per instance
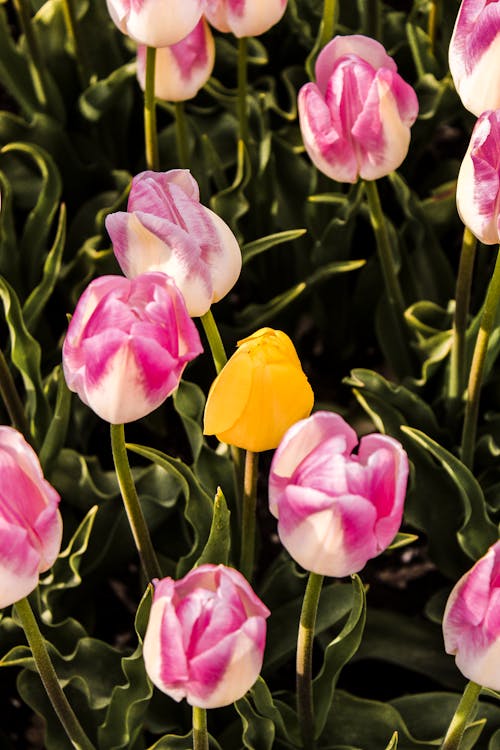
(477, 367)
(150, 133)
(461, 717)
(242, 88)
(35, 59)
(181, 135)
(214, 339)
(327, 28)
(456, 383)
(247, 552)
(395, 298)
(132, 505)
(305, 707)
(200, 733)
(432, 24)
(49, 679)
(72, 27)
(11, 399)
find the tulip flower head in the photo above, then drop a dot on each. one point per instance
(167, 229)
(259, 393)
(205, 637)
(244, 17)
(336, 509)
(478, 185)
(183, 68)
(127, 345)
(355, 120)
(156, 23)
(474, 55)
(471, 622)
(30, 522)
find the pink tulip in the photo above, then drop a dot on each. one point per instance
(156, 23)
(205, 637)
(474, 55)
(127, 345)
(478, 186)
(244, 17)
(167, 229)
(335, 509)
(471, 623)
(183, 68)
(356, 118)
(30, 522)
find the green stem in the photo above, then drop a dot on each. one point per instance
(477, 367)
(305, 707)
(214, 340)
(200, 733)
(432, 24)
(150, 132)
(395, 298)
(181, 135)
(327, 28)
(242, 89)
(73, 29)
(11, 399)
(456, 383)
(48, 676)
(247, 553)
(461, 717)
(132, 505)
(36, 61)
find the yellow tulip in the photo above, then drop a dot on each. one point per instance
(259, 394)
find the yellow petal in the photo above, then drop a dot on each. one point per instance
(228, 394)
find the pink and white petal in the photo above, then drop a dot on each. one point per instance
(19, 563)
(476, 202)
(481, 665)
(253, 605)
(49, 530)
(163, 649)
(148, 184)
(255, 17)
(223, 257)
(147, 26)
(358, 45)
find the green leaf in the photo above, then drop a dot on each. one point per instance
(101, 96)
(14, 71)
(402, 540)
(252, 249)
(55, 437)
(218, 546)
(189, 402)
(258, 731)
(231, 204)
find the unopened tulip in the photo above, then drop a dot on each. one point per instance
(205, 637)
(244, 17)
(166, 228)
(471, 622)
(30, 522)
(127, 345)
(183, 68)
(259, 394)
(474, 55)
(336, 509)
(355, 120)
(156, 23)
(478, 186)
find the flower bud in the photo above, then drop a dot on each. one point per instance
(478, 185)
(30, 522)
(156, 23)
(474, 55)
(336, 509)
(127, 345)
(259, 393)
(471, 622)
(205, 637)
(355, 120)
(244, 17)
(183, 68)
(167, 229)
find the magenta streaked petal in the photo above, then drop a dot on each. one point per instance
(355, 45)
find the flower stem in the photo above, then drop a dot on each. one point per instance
(11, 399)
(150, 133)
(456, 383)
(36, 61)
(461, 717)
(132, 505)
(181, 135)
(391, 282)
(242, 88)
(305, 708)
(432, 24)
(214, 340)
(200, 733)
(477, 367)
(72, 27)
(48, 676)
(247, 553)
(327, 28)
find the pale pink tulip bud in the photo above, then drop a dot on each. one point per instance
(244, 17)
(156, 23)
(336, 509)
(355, 120)
(478, 185)
(471, 622)
(205, 637)
(127, 345)
(30, 522)
(474, 55)
(166, 228)
(183, 68)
